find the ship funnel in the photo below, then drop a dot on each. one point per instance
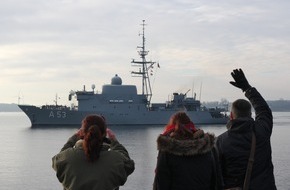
(71, 93)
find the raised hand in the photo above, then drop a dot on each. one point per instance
(240, 80)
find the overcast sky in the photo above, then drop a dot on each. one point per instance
(53, 47)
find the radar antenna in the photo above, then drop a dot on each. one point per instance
(144, 66)
(56, 98)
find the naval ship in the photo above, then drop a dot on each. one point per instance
(121, 104)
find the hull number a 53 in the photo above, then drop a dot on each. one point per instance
(57, 114)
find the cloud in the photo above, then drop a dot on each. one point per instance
(61, 45)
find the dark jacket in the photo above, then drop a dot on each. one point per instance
(109, 172)
(185, 164)
(235, 144)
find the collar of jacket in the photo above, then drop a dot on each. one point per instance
(201, 143)
(240, 124)
(79, 144)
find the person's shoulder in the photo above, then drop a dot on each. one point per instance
(223, 134)
(112, 155)
(222, 137)
(63, 156)
(69, 152)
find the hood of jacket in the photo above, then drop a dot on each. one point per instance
(79, 144)
(240, 125)
(201, 143)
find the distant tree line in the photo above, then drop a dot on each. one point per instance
(279, 105)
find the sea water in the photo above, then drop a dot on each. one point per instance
(25, 152)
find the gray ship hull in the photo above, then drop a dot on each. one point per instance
(65, 117)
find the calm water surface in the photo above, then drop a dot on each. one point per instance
(25, 161)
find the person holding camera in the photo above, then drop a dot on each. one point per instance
(90, 160)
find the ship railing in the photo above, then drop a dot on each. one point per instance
(55, 107)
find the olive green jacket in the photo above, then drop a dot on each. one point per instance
(107, 173)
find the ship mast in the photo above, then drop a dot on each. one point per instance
(144, 66)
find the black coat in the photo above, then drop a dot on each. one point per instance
(186, 164)
(234, 147)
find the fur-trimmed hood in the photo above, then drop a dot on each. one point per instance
(200, 143)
